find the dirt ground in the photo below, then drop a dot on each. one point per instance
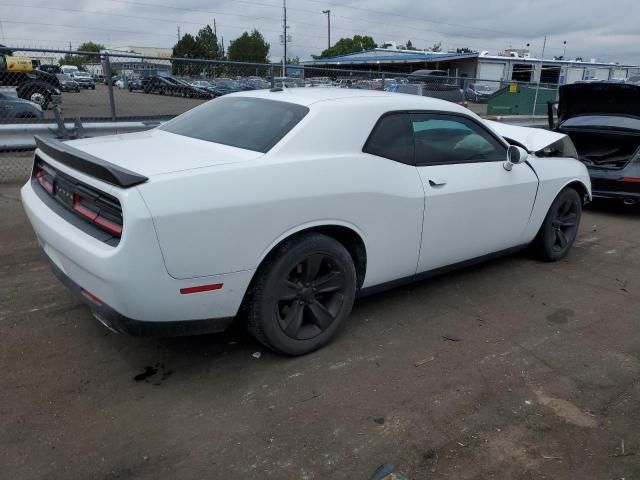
(514, 369)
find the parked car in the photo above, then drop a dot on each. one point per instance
(157, 84)
(260, 218)
(50, 68)
(121, 83)
(67, 83)
(173, 86)
(478, 92)
(135, 83)
(257, 83)
(84, 80)
(224, 86)
(343, 83)
(189, 90)
(603, 121)
(113, 80)
(12, 107)
(431, 83)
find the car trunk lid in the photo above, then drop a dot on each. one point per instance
(598, 99)
(156, 152)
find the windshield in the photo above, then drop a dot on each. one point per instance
(250, 123)
(63, 77)
(483, 88)
(82, 75)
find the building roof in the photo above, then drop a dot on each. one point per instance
(500, 58)
(386, 55)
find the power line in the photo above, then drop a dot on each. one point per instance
(88, 28)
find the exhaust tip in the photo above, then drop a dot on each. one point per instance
(630, 201)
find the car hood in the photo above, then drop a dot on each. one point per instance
(533, 139)
(156, 152)
(598, 99)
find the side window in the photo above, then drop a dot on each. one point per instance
(392, 138)
(441, 139)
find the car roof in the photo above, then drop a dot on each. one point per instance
(307, 96)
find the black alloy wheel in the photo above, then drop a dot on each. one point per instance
(565, 224)
(311, 297)
(560, 227)
(302, 294)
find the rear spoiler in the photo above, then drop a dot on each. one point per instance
(87, 163)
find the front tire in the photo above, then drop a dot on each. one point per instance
(301, 295)
(560, 227)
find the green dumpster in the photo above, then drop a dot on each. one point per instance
(515, 99)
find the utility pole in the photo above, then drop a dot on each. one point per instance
(564, 52)
(535, 100)
(284, 36)
(178, 33)
(328, 14)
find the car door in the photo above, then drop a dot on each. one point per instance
(473, 205)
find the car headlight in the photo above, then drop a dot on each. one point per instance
(560, 148)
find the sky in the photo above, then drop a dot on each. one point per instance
(605, 30)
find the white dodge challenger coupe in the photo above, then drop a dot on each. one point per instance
(280, 207)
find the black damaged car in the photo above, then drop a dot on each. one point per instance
(603, 121)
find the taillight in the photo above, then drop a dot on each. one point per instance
(95, 216)
(43, 179)
(95, 206)
(630, 179)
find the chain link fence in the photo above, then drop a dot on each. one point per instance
(101, 93)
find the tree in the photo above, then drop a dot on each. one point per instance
(437, 47)
(81, 60)
(187, 47)
(464, 50)
(348, 45)
(293, 60)
(410, 46)
(249, 48)
(208, 43)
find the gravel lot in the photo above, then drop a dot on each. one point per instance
(513, 369)
(95, 104)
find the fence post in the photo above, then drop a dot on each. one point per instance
(383, 77)
(112, 103)
(273, 78)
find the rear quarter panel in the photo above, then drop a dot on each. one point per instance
(227, 219)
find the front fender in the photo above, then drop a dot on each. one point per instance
(554, 175)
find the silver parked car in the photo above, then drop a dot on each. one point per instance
(12, 107)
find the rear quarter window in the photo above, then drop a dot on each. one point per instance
(250, 123)
(392, 138)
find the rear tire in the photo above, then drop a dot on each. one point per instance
(301, 295)
(560, 227)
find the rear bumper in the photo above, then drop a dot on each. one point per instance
(120, 324)
(130, 279)
(608, 184)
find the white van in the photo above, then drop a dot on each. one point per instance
(69, 69)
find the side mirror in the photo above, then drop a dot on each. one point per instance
(515, 156)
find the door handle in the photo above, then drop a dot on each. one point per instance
(436, 183)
